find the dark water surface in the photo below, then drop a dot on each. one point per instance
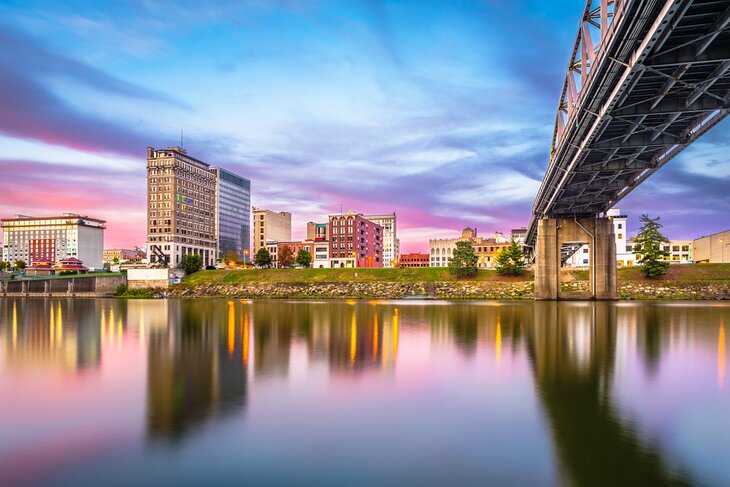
(111, 392)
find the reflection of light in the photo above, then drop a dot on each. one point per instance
(245, 338)
(59, 323)
(395, 333)
(15, 326)
(231, 328)
(51, 328)
(141, 327)
(721, 357)
(498, 341)
(375, 336)
(110, 338)
(353, 338)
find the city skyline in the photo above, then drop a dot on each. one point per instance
(422, 109)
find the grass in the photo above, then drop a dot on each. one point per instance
(680, 273)
(676, 273)
(406, 274)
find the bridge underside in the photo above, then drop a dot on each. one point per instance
(658, 78)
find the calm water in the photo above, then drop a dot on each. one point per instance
(363, 393)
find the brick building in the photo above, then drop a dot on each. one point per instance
(355, 241)
(414, 259)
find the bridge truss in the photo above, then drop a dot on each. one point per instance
(646, 78)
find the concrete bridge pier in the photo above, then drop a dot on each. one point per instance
(554, 234)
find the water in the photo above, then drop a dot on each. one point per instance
(363, 393)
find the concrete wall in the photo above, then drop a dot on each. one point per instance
(713, 249)
(148, 278)
(100, 285)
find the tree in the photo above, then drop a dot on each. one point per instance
(116, 260)
(286, 256)
(463, 261)
(231, 257)
(191, 263)
(648, 245)
(4, 266)
(20, 265)
(262, 258)
(510, 260)
(304, 258)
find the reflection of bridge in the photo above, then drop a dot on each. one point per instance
(572, 350)
(646, 78)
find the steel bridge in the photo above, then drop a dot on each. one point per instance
(646, 78)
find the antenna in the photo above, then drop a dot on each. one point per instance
(181, 139)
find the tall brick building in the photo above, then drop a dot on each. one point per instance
(355, 241)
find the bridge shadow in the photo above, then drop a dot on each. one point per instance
(572, 352)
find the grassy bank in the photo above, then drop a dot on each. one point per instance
(402, 275)
(676, 273)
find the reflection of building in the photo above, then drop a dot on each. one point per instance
(50, 239)
(714, 249)
(355, 241)
(233, 213)
(180, 207)
(196, 370)
(391, 244)
(55, 334)
(270, 226)
(364, 336)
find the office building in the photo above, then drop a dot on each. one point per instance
(270, 227)
(52, 239)
(233, 214)
(486, 250)
(355, 241)
(181, 212)
(391, 244)
(712, 249)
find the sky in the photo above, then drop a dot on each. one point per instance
(439, 111)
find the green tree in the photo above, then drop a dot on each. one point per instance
(4, 266)
(648, 244)
(463, 261)
(20, 265)
(304, 258)
(262, 258)
(286, 256)
(191, 263)
(510, 260)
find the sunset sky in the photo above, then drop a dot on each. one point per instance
(441, 111)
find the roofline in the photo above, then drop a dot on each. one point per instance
(79, 217)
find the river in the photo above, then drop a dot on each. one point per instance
(189, 392)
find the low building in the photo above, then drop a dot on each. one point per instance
(441, 249)
(117, 256)
(414, 259)
(712, 249)
(486, 251)
(35, 239)
(519, 235)
(154, 278)
(321, 255)
(307, 245)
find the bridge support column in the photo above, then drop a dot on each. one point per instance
(552, 233)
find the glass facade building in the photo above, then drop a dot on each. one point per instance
(233, 213)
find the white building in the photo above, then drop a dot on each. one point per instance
(321, 254)
(34, 239)
(441, 249)
(391, 244)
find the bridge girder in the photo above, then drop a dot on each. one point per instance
(656, 78)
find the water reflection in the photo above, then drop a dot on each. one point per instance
(600, 372)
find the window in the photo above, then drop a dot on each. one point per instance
(620, 236)
(620, 227)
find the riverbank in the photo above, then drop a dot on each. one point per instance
(682, 282)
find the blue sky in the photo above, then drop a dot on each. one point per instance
(440, 111)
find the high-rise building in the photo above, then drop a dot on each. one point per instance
(52, 239)
(355, 241)
(233, 213)
(181, 211)
(391, 244)
(270, 226)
